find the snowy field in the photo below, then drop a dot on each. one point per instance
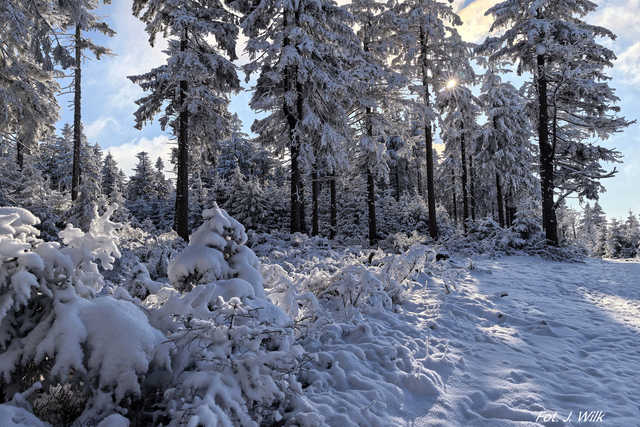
(532, 340)
(259, 329)
(519, 341)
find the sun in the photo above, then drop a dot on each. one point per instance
(452, 83)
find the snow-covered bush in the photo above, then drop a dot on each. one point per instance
(233, 358)
(53, 328)
(527, 229)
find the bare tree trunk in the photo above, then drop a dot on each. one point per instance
(499, 200)
(371, 203)
(472, 191)
(510, 209)
(453, 193)
(314, 197)
(549, 221)
(419, 176)
(20, 153)
(507, 217)
(334, 208)
(371, 189)
(181, 218)
(428, 139)
(397, 192)
(296, 193)
(465, 197)
(295, 225)
(77, 115)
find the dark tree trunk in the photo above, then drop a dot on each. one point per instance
(428, 139)
(549, 222)
(296, 223)
(181, 218)
(334, 208)
(507, 218)
(419, 176)
(371, 186)
(19, 153)
(314, 197)
(453, 193)
(465, 197)
(510, 209)
(301, 203)
(472, 191)
(371, 203)
(77, 115)
(499, 200)
(397, 192)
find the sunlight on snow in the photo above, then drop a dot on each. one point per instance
(622, 310)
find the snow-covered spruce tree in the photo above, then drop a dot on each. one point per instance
(592, 219)
(304, 52)
(568, 221)
(586, 227)
(504, 147)
(377, 84)
(110, 176)
(80, 16)
(161, 204)
(458, 121)
(615, 240)
(550, 39)
(426, 47)
(405, 142)
(632, 233)
(192, 88)
(28, 51)
(247, 202)
(90, 191)
(162, 184)
(55, 159)
(113, 188)
(58, 339)
(141, 189)
(233, 361)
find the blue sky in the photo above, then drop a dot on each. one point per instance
(109, 97)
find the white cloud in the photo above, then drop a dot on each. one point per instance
(125, 154)
(619, 16)
(95, 128)
(628, 64)
(134, 55)
(476, 25)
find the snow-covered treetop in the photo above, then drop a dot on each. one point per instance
(217, 255)
(542, 27)
(202, 39)
(305, 52)
(504, 142)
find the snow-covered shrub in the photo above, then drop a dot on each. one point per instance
(233, 358)
(299, 303)
(217, 251)
(353, 287)
(527, 229)
(54, 329)
(400, 242)
(356, 370)
(141, 285)
(247, 201)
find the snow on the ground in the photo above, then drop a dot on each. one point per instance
(521, 341)
(542, 343)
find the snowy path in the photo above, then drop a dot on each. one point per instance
(565, 339)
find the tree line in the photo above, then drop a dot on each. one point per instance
(383, 96)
